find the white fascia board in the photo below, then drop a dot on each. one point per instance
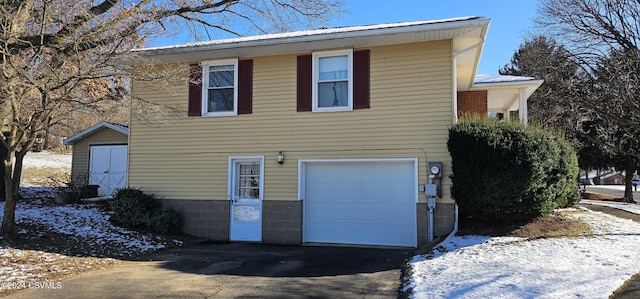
(84, 133)
(508, 84)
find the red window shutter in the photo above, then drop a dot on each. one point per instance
(245, 86)
(195, 90)
(304, 83)
(361, 85)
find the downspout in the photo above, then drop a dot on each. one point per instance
(454, 80)
(431, 200)
(431, 206)
(442, 246)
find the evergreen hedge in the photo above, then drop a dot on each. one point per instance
(134, 209)
(505, 171)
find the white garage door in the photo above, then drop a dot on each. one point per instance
(108, 167)
(361, 202)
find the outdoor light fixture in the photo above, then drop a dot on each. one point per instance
(280, 158)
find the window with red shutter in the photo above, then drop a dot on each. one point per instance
(333, 81)
(195, 90)
(304, 83)
(361, 75)
(221, 88)
(245, 86)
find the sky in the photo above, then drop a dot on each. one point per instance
(510, 21)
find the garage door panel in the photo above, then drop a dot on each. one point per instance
(387, 213)
(369, 234)
(395, 235)
(333, 233)
(361, 203)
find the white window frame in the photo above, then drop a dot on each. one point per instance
(205, 87)
(315, 75)
(234, 161)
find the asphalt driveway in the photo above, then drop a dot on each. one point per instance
(240, 270)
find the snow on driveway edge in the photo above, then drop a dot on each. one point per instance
(507, 267)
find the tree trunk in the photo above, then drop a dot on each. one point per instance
(3, 156)
(13, 173)
(45, 139)
(9, 229)
(628, 186)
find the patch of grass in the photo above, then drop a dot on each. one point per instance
(44, 176)
(556, 225)
(629, 290)
(598, 196)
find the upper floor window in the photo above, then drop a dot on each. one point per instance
(219, 88)
(332, 88)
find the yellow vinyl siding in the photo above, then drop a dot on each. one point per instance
(411, 108)
(80, 160)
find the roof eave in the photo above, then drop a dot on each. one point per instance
(307, 43)
(102, 125)
(508, 84)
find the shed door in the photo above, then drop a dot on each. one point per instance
(108, 168)
(369, 203)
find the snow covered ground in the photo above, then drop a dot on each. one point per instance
(83, 229)
(45, 169)
(46, 159)
(86, 223)
(507, 267)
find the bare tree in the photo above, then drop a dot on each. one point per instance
(615, 90)
(60, 57)
(603, 35)
(594, 29)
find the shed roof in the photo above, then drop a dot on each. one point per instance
(96, 128)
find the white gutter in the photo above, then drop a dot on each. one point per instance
(508, 84)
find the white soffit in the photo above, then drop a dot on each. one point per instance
(503, 92)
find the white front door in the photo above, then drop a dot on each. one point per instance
(245, 190)
(108, 167)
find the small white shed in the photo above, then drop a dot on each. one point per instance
(100, 157)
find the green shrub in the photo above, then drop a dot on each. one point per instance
(564, 177)
(134, 209)
(167, 221)
(505, 171)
